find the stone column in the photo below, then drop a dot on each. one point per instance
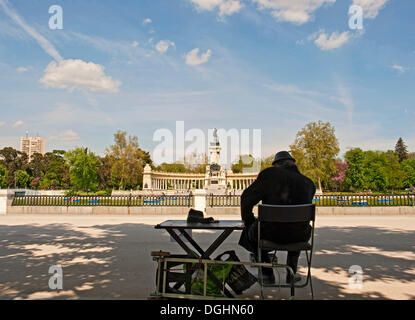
(147, 179)
(3, 201)
(200, 200)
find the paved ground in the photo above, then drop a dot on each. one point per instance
(108, 257)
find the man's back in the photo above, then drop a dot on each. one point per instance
(286, 186)
(281, 185)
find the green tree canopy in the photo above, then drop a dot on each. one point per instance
(315, 149)
(376, 171)
(3, 176)
(83, 169)
(13, 161)
(22, 178)
(355, 177)
(246, 162)
(129, 161)
(172, 167)
(401, 150)
(49, 171)
(408, 167)
(104, 172)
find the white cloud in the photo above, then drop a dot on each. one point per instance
(65, 74)
(226, 7)
(333, 41)
(400, 69)
(147, 21)
(2, 123)
(66, 136)
(135, 44)
(77, 74)
(163, 45)
(18, 124)
(370, 8)
(41, 40)
(294, 11)
(193, 58)
(21, 69)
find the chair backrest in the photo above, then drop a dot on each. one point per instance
(283, 213)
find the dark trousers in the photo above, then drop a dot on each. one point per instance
(282, 233)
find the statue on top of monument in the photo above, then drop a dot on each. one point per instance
(215, 137)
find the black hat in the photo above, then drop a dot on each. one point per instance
(196, 216)
(282, 155)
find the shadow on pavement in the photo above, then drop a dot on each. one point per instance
(113, 261)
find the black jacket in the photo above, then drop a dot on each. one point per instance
(277, 185)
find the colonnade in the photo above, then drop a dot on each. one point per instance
(177, 183)
(192, 183)
(240, 183)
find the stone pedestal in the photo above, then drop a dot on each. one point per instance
(200, 200)
(3, 201)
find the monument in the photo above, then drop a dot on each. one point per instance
(215, 174)
(216, 180)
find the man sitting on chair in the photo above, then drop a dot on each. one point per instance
(281, 184)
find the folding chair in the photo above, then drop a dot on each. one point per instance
(282, 214)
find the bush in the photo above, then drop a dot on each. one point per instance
(102, 193)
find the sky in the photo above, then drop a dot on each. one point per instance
(140, 66)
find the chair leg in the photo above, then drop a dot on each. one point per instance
(311, 287)
(260, 277)
(309, 274)
(290, 270)
(261, 282)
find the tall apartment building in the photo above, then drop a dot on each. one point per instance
(31, 145)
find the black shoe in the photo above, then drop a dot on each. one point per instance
(297, 278)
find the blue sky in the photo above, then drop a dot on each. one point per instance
(273, 65)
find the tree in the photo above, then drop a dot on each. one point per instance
(401, 150)
(373, 168)
(22, 178)
(50, 171)
(83, 169)
(375, 171)
(37, 165)
(393, 171)
(267, 162)
(196, 163)
(13, 161)
(104, 172)
(129, 161)
(3, 176)
(247, 163)
(411, 155)
(408, 167)
(172, 167)
(57, 172)
(315, 149)
(339, 178)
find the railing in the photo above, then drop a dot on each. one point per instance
(116, 201)
(223, 200)
(328, 200)
(364, 200)
(211, 201)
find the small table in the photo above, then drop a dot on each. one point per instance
(228, 226)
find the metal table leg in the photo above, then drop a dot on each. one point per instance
(204, 255)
